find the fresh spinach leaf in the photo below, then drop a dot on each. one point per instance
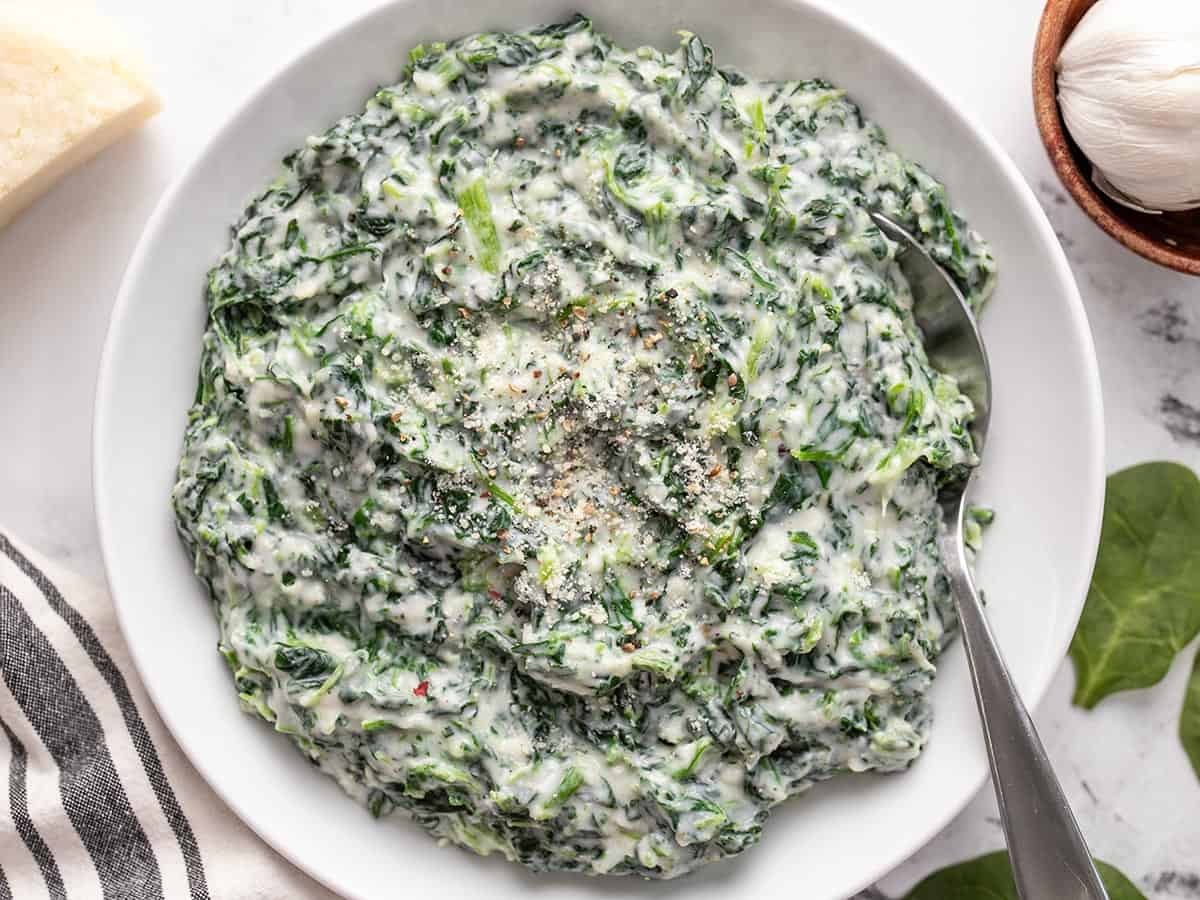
(1144, 603)
(1189, 717)
(990, 877)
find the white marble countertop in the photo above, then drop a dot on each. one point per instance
(61, 263)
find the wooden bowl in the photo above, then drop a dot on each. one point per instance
(1169, 239)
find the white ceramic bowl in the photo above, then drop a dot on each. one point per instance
(1044, 468)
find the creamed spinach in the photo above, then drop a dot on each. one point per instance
(564, 456)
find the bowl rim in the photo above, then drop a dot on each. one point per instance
(1058, 147)
(1073, 600)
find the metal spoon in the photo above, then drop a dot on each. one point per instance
(1049, 857)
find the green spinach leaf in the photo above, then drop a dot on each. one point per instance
(990, 877)
(1189, 718)
(698, 60)
(1144, 603)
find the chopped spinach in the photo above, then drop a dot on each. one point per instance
(564, 458)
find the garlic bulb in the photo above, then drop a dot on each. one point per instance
(1129, 90)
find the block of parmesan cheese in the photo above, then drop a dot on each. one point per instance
(70, 85)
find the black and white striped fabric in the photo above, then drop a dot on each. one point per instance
(100, 801)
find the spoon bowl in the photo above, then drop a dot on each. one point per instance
(952, 339)
(1047, 851)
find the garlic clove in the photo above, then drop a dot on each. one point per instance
(1129, 91)
(1107, 188)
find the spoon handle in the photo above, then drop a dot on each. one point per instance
(1049, 857)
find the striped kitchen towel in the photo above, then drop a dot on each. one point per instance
(100, 801)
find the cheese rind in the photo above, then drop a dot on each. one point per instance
(70, 85)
